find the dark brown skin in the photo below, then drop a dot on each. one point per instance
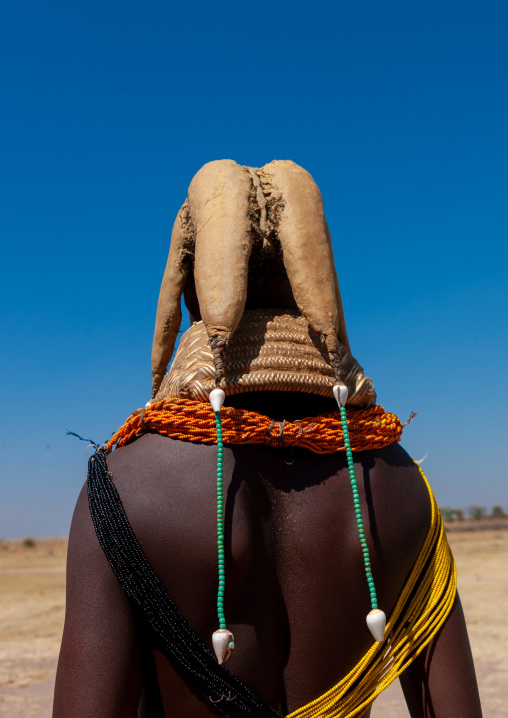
(296, 597)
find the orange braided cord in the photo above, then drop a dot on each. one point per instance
(195, 421)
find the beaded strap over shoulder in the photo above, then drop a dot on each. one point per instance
(170, 632)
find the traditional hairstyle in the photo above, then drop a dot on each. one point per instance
(256, 239)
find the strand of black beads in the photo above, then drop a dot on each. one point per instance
(171, 633)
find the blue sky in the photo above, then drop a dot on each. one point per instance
(400, 112)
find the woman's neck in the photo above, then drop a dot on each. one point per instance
(280, 405)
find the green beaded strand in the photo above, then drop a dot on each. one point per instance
(220, 528)
(220, 524)
(358, 508)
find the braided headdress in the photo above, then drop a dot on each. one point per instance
(254, 239)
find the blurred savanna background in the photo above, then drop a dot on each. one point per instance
(398, 110)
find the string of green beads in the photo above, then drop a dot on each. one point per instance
(220, 524)
(358, 508)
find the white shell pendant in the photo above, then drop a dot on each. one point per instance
(340, 393)
(221, 639)
(376, 621)
(216, 398)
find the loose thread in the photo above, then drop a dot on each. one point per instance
(81, 438)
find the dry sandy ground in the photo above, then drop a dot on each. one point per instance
(32, 600)
(32, 582)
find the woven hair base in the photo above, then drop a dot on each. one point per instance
(271, 350)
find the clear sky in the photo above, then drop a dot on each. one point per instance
(398, 109)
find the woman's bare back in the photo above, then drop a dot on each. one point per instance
(296, 596)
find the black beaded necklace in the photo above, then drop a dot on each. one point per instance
(170, 632)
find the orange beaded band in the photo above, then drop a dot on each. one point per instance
(191, 420)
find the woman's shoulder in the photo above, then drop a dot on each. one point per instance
(398, 507)
(398, 488)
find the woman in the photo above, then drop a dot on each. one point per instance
(310, 524)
